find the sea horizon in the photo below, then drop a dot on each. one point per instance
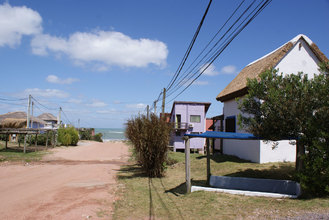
(111, 134)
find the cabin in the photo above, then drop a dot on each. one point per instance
(50, 119)
(188, 118)
(297, 55)
(19, 120)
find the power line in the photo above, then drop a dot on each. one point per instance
(261, 6)
(182, 63)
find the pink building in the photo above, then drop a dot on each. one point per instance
(188, 117)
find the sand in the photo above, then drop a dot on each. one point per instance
(72, 183)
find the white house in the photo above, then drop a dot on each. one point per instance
(298, 55)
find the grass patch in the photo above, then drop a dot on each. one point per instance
(14, 153)
(164, 198)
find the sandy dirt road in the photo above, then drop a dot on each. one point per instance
(72, 183)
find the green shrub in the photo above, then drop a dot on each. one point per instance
(68, 136)
(85, 133)
(150, 139)
(42, 138)
(98, 137)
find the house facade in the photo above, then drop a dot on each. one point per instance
(188, 117)
(50, 119)
(298, 55)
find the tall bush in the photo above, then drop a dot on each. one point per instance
(150, 138)
(68, 136)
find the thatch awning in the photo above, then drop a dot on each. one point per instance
(13, 123)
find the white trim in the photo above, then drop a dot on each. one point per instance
(242, 192)
(294, 40)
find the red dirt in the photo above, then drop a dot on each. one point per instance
(72, 183)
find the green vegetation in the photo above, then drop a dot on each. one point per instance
(68, 136)
(165, 198)
(15, 154)
(97, 137)
(150, 138)
(293, 106)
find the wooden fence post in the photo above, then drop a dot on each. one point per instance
(187, 165)
(208, 161)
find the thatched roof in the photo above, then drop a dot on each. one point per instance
(16, 120)
(238, 86)
(47, 117)
(13, 123)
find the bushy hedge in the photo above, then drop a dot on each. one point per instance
(68, 136)
(150, 138)
(42, 139)
(97, 137)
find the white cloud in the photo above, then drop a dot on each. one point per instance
(136, 106)
(55, 79)
(200, 83)
(75, 101)
(96, 103)
(103, 49)
(16, 22)
(46, 93)
(210, 71)
(230, 69)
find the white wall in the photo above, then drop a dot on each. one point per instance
(284, 152)
(299, 59)
(255, 150)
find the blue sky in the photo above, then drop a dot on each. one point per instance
(104, 61)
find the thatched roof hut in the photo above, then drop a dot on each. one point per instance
(48, 117)
(238, 86)
(17, 120)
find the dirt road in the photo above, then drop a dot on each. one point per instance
(72, 183)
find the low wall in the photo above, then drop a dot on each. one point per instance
(253, 184)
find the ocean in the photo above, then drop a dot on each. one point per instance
(111, 134)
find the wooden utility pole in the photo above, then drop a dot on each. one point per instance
(163, 101)
(155, 107)
(28, 113)
(148, 111)
(27, 120)
(59, 116)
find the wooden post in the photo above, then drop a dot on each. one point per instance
(19, 143)
(24, 143)
(6, 141)
(54, 138)
(46, 139)
(155, 107)
(36, 142)
(163, 101)
(187, 165)
(300, 152)
(148, 111)
(208, 161)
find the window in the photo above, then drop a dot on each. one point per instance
(195, 118)
(230, 124)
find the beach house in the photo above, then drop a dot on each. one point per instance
(188, 117)
(50, 119)
(297, 55)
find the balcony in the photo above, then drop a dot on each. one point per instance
(181, 125)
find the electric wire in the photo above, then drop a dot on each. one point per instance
(261, 6)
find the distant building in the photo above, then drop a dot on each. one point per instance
(188, 117)
(19, 120)
(297, 55)
(50, 119)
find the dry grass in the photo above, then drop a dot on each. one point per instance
(164, 198)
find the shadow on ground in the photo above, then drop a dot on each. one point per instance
(218, 158)
(281, 172)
